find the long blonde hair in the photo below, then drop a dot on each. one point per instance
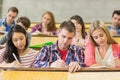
(100, 25)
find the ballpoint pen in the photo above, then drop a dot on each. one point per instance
(15, 57)
(57, 55)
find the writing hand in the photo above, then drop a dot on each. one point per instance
(58, 64)
(73, 66)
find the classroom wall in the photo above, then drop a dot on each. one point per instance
(63, 9)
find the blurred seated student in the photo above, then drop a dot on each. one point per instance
(9, 21)
(62, 54)
(80, 36)
(25, 23)
(17, 44)
(46, 26)
(115, 27)
(105, 51)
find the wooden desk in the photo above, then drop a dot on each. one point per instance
(39, 40)
(117, 38)
(60, 74)
(34, 74)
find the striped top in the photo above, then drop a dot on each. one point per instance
(27, 60)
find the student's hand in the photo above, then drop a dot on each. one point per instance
(73, 66)
(58, 64)
(2, 28)
(113, 32)
(117, 61)
(47, 33)
(16, 64)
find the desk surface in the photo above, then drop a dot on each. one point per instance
(60, 74)
(62, 69)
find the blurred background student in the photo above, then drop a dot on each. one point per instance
(25, 23)
(114, 28)
(9, 21)
(17, 44)
(80, 36)
(46, 26)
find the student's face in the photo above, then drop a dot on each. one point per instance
(46, 19)
(64, 39)
(19, 40)
(77, 25)
(11, 17)
(116, 20)
(100, 37)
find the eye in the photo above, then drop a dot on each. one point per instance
(101, 35)
(95, 37)
(14, 40)
(63, 36)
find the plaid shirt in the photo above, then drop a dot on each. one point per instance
(49, 54)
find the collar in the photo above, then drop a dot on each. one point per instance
(55, 47)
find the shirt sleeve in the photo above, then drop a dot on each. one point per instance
(89, 54)
(79, 57)
(118, 31)
(3, 39)
(42, 58)
(1, 54)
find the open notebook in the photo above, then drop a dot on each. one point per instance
(40, 45)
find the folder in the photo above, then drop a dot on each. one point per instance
(40, 45)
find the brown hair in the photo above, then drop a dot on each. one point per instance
(116, 12)
(51, 25)
(68, 25)
(25, 21)
(81, 22)
(13, 9)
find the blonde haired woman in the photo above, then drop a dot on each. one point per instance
(105, 51)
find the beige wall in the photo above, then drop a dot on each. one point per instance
(63, 9)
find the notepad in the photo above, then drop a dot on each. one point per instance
(98, 67)
(41, 45)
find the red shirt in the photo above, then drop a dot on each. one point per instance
(63, 54)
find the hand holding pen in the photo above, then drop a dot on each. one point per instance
(117, 61)
(59, 63)
(16, 63)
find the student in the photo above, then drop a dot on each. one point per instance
(17, 44)
(62, 54)
(47, 25)
(115, 27)
(80, 36)
(7, 22)
(25, 23)
(106, 51)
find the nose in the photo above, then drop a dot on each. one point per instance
(99, 39)
(18, 42)
(65, 40)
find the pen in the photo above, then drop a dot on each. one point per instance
(15, 57)
(57, 55)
